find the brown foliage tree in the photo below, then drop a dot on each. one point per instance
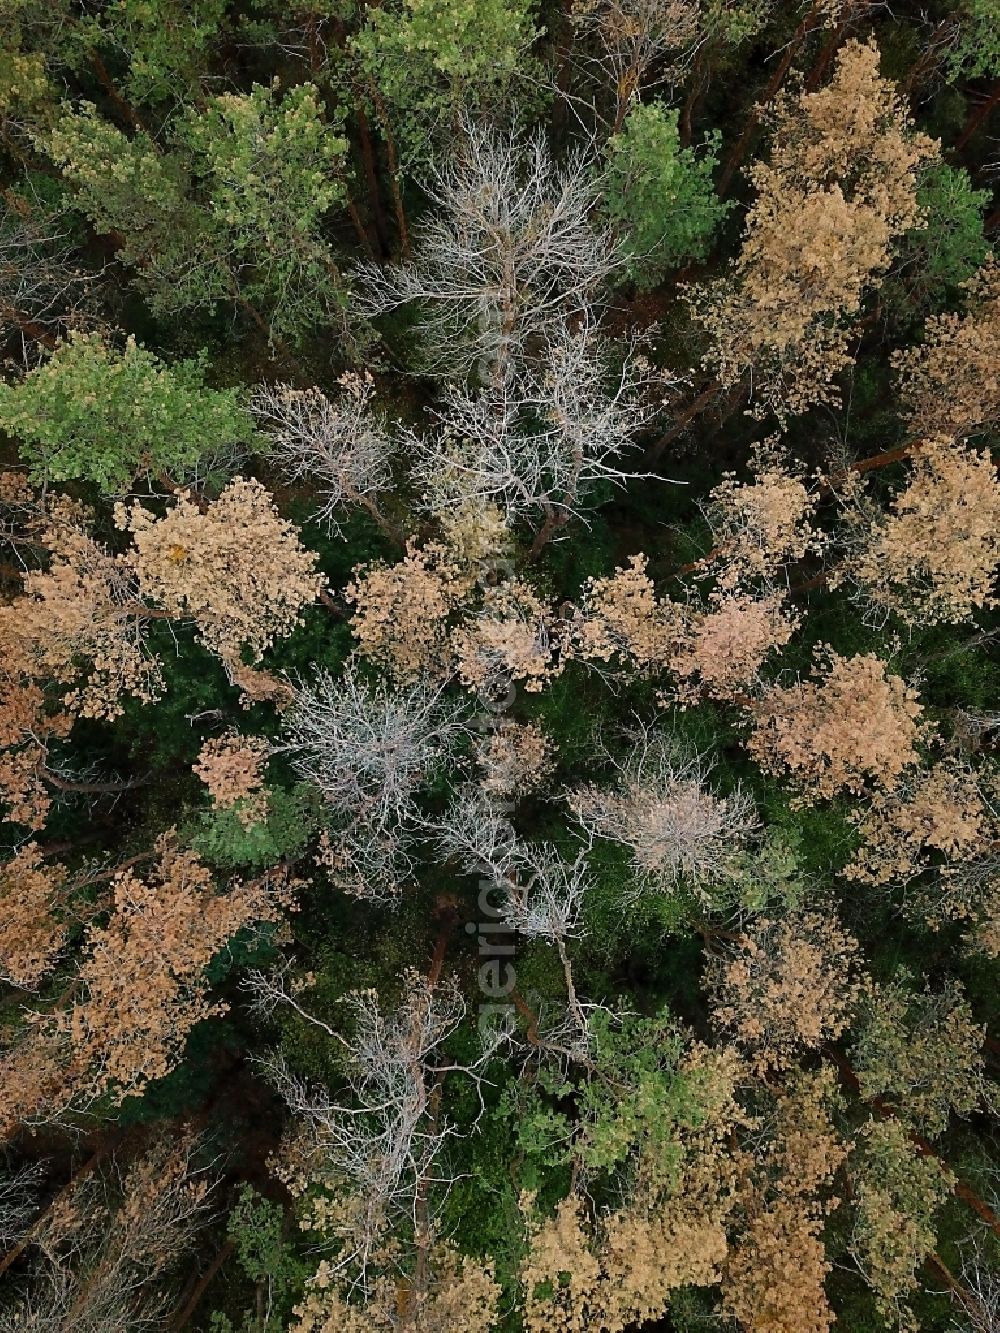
(785, 987)
(950, 383)
(852, 725)
(235, 567)
(839, 188)
(934, 557)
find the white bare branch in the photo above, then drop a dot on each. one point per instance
(662, 810)
(18, 1201)
(340, 447)
(42, 284)
(538, 438)
(627, 45)
(508, 254)
(369, 749)
(476, 832)
(106, 1251)
(383, 1141)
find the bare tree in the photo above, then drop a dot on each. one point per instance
(476, 832)
(662, 810)
(383, 1143)
(539, 437)
(627, 40)
(340, 447)
(541, 894)
(369, 749)
(105, 1252)
(18, 1201)
(508, 254)
(977, 1303)
(42, 284)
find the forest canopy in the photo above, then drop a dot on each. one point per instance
(499, 702)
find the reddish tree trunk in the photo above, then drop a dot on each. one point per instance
(743, 143)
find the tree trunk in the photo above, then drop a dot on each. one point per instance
(743, 143)
(976, 118)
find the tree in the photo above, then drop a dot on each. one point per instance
(653, 1109)
(659, 195)
(427, 64)
(934, 557)
(338, 447)
(937, 257)
(81, 623)
(852, 726)
(896, 1194)
(759, 526)
(513, 637)
(514, 758)
(839, 189)
(232, 768)
(32, 935)
(974, 51)
(920, 1052)
(274, 169)
(166, 46)
(458, 1295)
(28, 724)
(538, 440)
(726, 644)
(949, 383)
(373, 1157)
(402, 611)
(143, 977)
(369, 749)
(507, 256)
(786, 986)
(235, 567)
(43, 282)
(230, 211)
(629, 40)
(95, 413)
(106, 1255)
(940, 810)
(776, 1268)
(622, 620)
(679, 833)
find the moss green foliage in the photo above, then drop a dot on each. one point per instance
(632, 1102)
(975, 52)
(660, 195)
(945, 251)
(228, 839)
(228, 210)
(259, 1230)
(94, 412)
(163, 42)
(432, 59)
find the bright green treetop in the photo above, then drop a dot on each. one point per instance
(431, 59)
(232, 209)
(660, 195)
(94, 413)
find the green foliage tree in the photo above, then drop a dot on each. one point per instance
(430, 60)
(231, 210)
(660, 195)
(257, 1229)
(165, 44)
(94, 413)
(896, 1194)
(226, 838)
(975, 52)
(945, 250)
